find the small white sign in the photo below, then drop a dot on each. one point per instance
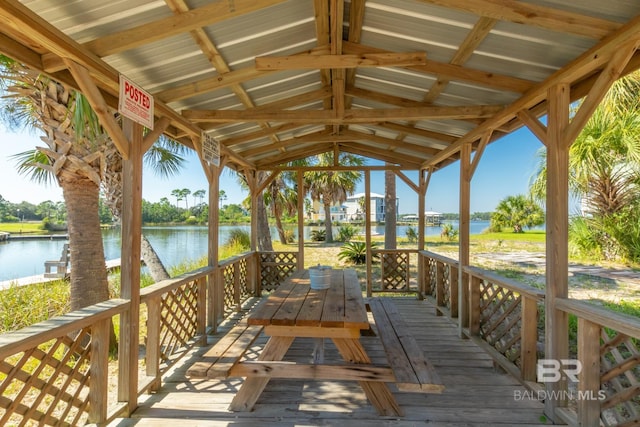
(135, 103)
(210, 149)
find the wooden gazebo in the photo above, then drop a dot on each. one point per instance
(416, 84)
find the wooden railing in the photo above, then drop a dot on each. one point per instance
(57, 371)
(504, 315)
(275, 267)
(608, 387)
(440, 282)
(396, 270)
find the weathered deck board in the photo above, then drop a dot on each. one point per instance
(475, 393)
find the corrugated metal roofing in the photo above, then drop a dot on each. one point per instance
(476, 56)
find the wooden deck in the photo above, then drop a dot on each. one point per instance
(476, 394)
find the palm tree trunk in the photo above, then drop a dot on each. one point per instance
(390, 213)
(152, 261)
(264, 235)
(328, 227)
(89, 283)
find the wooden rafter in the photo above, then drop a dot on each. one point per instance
(308, 62)
(533, 15)
(350, 116)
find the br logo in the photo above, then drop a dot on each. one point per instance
(552, 370)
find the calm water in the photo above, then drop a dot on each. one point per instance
(174, 245)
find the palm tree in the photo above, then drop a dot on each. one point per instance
(332, 187)
(604, 172)
(604, 160)
(517, 212)
(75, 156)
(280, 198)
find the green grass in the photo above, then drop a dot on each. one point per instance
(23, 227)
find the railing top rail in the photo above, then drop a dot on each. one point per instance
(31, 336)
(438, 257)
(505, 282)
(624, 323)
(391, 251)
(235, 258)
(169, 284)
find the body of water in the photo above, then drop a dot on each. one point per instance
(174, 245)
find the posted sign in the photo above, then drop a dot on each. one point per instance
(135, 103)
(210, 149)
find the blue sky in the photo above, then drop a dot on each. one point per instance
(505, 169)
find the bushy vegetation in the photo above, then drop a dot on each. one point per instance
(355, 252)
(448, 232)
(412, 234)
(346, 232)
(21, 306)
(318, 235)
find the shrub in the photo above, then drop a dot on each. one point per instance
(448, 232)
(239, 238)
(346, 232)
(412, 234)
(355, 252)
(319, 235)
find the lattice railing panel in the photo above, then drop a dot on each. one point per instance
(228, 279)
(620, 379)
(432, 278)
(395, 271)
(447, 281)
(243, 272)
(500, 319)
(275, 267)
(47, 384)
(178, 320)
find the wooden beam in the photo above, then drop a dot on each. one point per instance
(405, 162)
(454, 72)
(288, 156)
(581, 67)
(293, 62)
(107, 120)
(443, 139)
(607, 77)
(170, 26)
(407, 181)
(19, 19)
(260, 134)
(478, 155)
(158, 129)
(394, 143)
(351, 116)
(535, 126)
(533, 15)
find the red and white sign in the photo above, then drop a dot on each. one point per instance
(135, 103)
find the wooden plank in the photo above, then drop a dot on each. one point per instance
(355, 312)
(279, 369)
(234, 352)
(398, 360)
(262, 315)
(311, 331)
(288, 311)
(424, 370)
(312, 308)
(333, 311)
(299, 62)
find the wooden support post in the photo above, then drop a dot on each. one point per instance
(557, 256)
(201, 328)
(463, 233)
(152, 353)
(367, 227)
(213, 243)
(454, 310)
(589, 376)
(474, 305)
(99, 372)
(236, 287)
(439, 286)
(130, 269)
(300, 183)
(529, 339)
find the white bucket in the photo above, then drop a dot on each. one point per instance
(320, 276)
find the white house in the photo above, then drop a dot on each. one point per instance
(352, 209)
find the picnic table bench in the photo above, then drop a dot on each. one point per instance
(61, 265)
(338, 313)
